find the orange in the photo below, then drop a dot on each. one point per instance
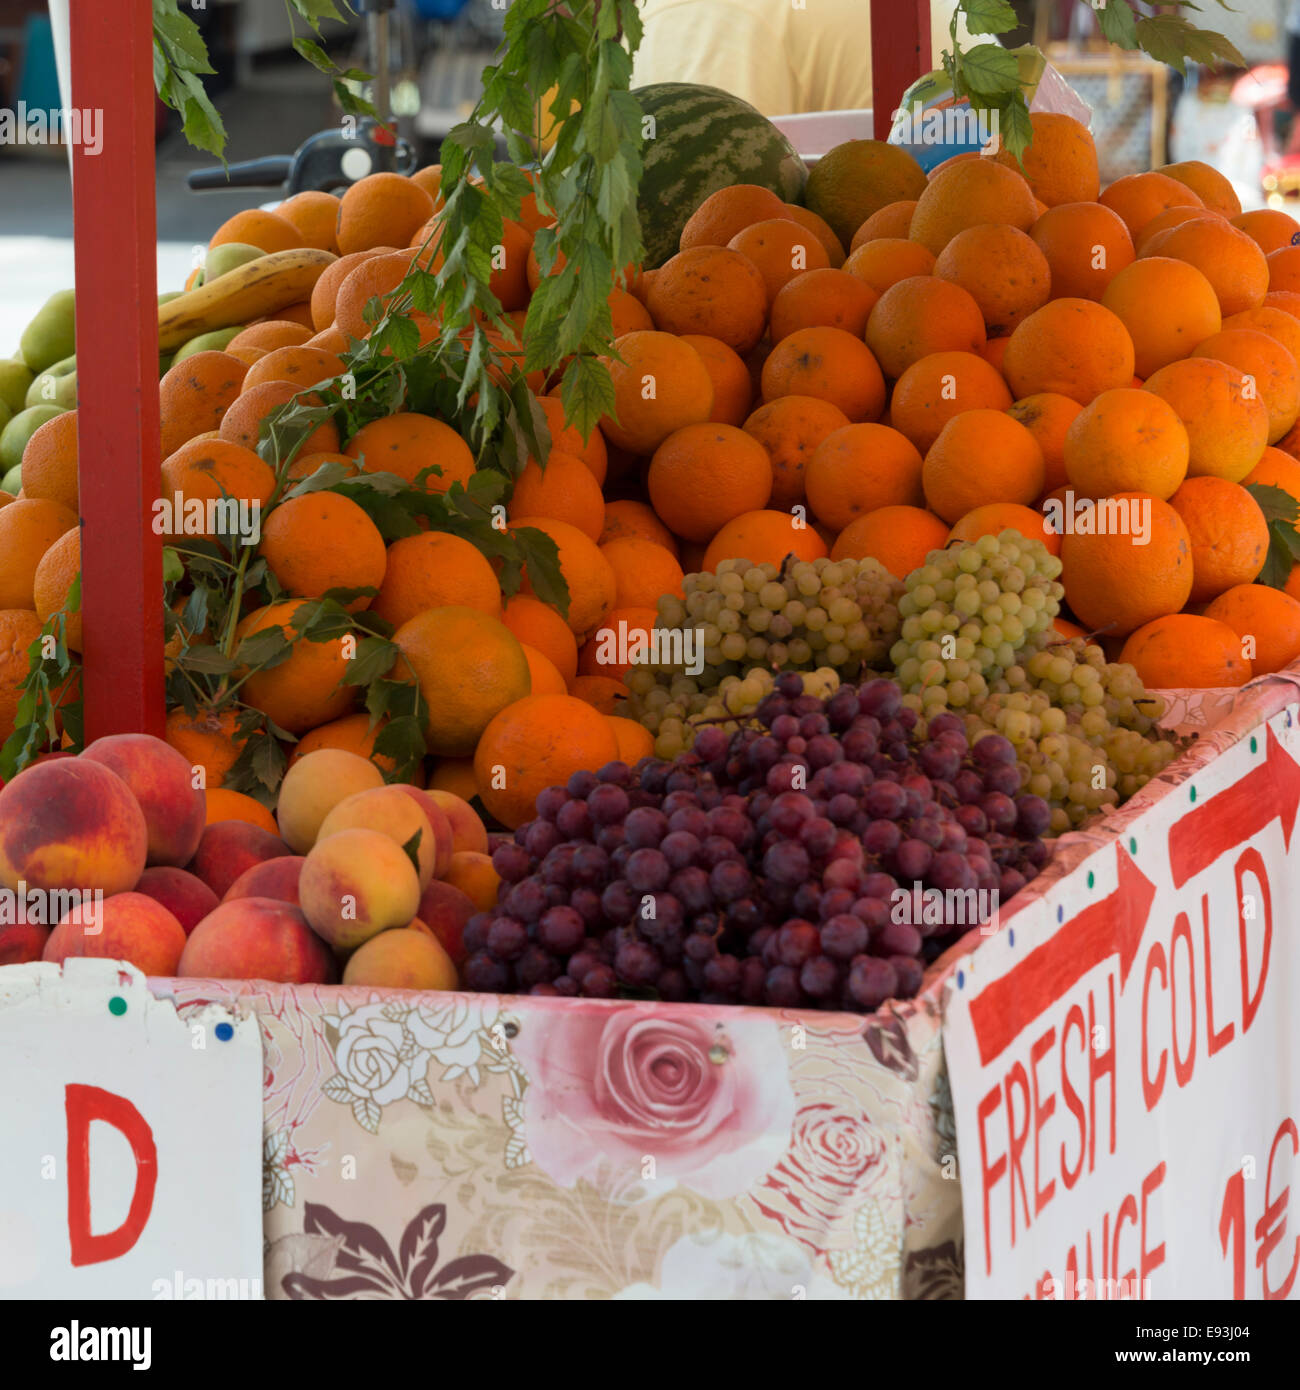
(194, 395)
(821, 229)
(1213, 189)
(1060, 162)
(302, 366)
(299, 313)
(728, 211)
(1228, 531)
(855, 179)
(763, 537)
(408, 443)
(1085, 245)
(830, 364)
(223, 804)
(1115, 581)
(474, 875)
(306, 689)
(780, 248)
(1126, 441)
(704, 475)
(660, 385)
(1137, 198)
(430, 179)
(322, 541)
(325, 292)
(930, 392)
(434, 570)
(919, 316)
(994, 351)
(823, 299)
(1270, 229)
(1001, 269)
(381, 210)
(1168, 306)
(1145, 242)
(733, 391)
(1279, 325)
(244, 418)
(610, 650)
(1069, 347)
(1266, 620)
(1232, 263)
(468, 666)
(305, 465)
(995, 517)
(981, 456)
(587, 573)
(1184, 651)
(626, 518)
(314, 216)
(273, 333)
(19, 628)
(455, 775)
(208, 739)
(59, 566)
(535, 743)
(643, 572)
(1065, 628)
(899, 537)
(859, 468)
(893, 220)
(602, 693)
(50, 461)
(634, 741)
(28, 528)
(714, 291)
(790, 428)
(543, 677)
(539, 626)
(253, 227)
(1226, 429)
(1276, 469)
(967, 194)
(1284, 269)
(354, 733)
(567, 437)
(564, 490)
(1048, 417)
(627, 314)
(884, 261)
(376, 277)
(1272, 371)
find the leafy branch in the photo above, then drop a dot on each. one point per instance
(49, 704)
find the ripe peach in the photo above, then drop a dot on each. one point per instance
(401, 959)
(162, 781)
(127, 926)
(187, 898)
(444, 842)
(474, 875)
(313, 786)
(444, 910)
(71, 824)
(21, 942)
(258, 939)
(356, 884)
(391, 812)
(272, 878)
(467, 830)
(228, 848)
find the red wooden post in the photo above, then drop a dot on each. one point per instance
(900, 53)
(117, 369)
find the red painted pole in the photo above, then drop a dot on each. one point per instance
(117, 369)
(900, 53)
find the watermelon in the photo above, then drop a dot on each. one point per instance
(704, 139)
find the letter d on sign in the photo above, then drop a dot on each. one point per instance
(82, 1105)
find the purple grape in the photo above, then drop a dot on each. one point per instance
(753, 974)
(586, 903)
(873, 913)
(722, 974)
(872, 980)
(841, 809)
(764, 753)
(647, 870)
(951, 872)
(781, 777)
(789, 685)
(561, 930)
(679, 848)
(968, 786)
(549, 802)
(689, 820)
(541, 839)
(1003, 777)
(573, 821)
(507, 939)
(946, 723)
(690, 887)
(896, 939)
(619, 902)
(1000, 810)
(909, 973)
(590, 863)
(711, 744)
(616, 774)
(536, 966)
(785, 727)
(565, 985)
(912, 859)
(474, 938)
(881, 698)
(859, 746)
(580, 784)
(716, 850)
(844, 937)
(672, 985)
(819, 978)
(940, 761)
(645, 827)
(818, 836)
(600, 983)
(796, 942)
(789, 811)
(730, 881)
(833, 903)
(991, 749)
(610, 837)
(787, 863)
(1033, 816)
(928, 830)
(1010, 883)
(781, 988)
(637, 963)
(884, 801)
(607, 804)
(881, 838)
(842, 873)
(485, 975)
(511, 861)
(971, 819)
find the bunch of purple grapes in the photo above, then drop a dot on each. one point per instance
(818, 861)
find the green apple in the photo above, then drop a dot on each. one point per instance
(52, 334)
(5, 415)
(207, 342)
(14, 437)
(12, 480)
(230, 255)
(56, 385)
(15, 378)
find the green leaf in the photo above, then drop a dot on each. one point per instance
(1276, 503)
(402, 739)
(261, 650)
(1118, 23)
(201, 659)
(314, 54)
(542, 562)
(173, 570)
(374, 659)
(1281, 557)
(412, 850)
(587, 393)
(316, 11)
(1015, 129)
(990, 70)
(988, 16)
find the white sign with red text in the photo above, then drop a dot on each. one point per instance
(130, 1140)
(1124, 1055)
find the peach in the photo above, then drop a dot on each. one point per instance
(391, 812)
(228, 848)
(356, 884)
(21, 942)
(127, 926)
(444, 842)
(401, 959)
(162, 781)
(71, 824)
(313, 786)
(272, 878)
(474, 875)
(258, 939)
(444, 910)
(187, 898)
(467, 830)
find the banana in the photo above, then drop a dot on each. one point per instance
(248, 292)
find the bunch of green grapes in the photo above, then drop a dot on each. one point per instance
(806, 614)
(1076, 677)
(970, 613)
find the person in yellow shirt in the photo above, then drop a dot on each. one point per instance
(782, 56)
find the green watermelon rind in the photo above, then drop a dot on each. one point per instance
(705, 139)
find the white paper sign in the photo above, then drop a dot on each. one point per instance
(130, 1140)
(1125, 1056)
